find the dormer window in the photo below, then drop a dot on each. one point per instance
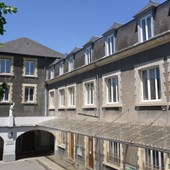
(110, 45)
(61, 68)
(88, 55)
(146, 28)
(70, 64)
(51, 70)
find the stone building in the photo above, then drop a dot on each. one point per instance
(107, 102)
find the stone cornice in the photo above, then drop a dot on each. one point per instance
(156, 41)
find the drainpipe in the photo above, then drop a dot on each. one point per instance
(45, 91)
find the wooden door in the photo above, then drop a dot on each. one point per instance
(72, 146)
(90, 153)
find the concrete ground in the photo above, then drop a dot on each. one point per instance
(38, 163)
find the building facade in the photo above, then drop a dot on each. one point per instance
(105, 105)
(119, 80)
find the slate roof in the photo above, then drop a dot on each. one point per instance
(26, 46)
(92, 40)
(76, 49)
(113, 27)
(150, 5)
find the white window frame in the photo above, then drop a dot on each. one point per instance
(70, 63)
(11, 59)
(148, 85)
(34, 86)
(141, 36)
(10, 93)
(118, 102)
(70, 98)
(138, 83)
(30, 60)
(51, 102)
(89, 103)
(110, 46)
(151, 159)
(51, 72)
(61, 68)
(62, 99)
(88, 55)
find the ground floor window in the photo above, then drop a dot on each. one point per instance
(154, 160)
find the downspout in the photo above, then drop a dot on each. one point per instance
(45, 90)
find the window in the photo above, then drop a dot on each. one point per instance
(88, 55)
(151, 84)
(111, 89)
(113, 154)
(110, 45)
(51, 99)
(89, 93)
(70, 63)
(61, 68)
(146, 28)
(30, 67)
(62, 100)
(51, 70)
(6, 65)
(7, 96)
(154, 160)
(29, 93)
(71, 95)
(62, 139)
(79, 145)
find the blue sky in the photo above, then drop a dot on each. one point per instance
(65, 24)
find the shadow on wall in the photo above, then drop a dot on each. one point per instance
(35, 143)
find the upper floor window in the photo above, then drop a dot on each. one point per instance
(51, 99)
(89, 93)
(29, 93)
(71, 96)
(30, 67)
(145, 28)
(110, 45)
(151, 84)
(61, 68)
(88, 55)
(154, 159)
(70, 63)
(62, 97)
(6, 65)
(51, 70)
(7, 96)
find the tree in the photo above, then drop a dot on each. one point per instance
(4, 9)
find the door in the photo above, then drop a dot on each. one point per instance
(72, 146)
(90, 153)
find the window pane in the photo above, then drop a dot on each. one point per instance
(32, 67)
(143, 29)
(158, 82)
(149, 27)
(8, 66)
(115, 89)
(26, 94)
(152, 78)
(145, 85)
(27, 68)
(109, 90)
(31, 94)
(2, 66)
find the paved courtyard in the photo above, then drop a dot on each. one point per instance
(38, 163)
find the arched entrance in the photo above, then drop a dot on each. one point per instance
(1, 148)
(35, 143)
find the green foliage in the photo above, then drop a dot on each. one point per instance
(4, 9)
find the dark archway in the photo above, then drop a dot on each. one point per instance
(1, 148)
(35, 143)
